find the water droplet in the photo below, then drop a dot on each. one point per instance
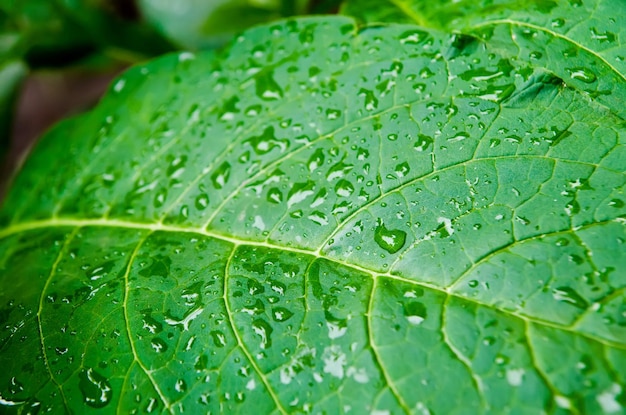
(201, 363)
(338, 171)
(219, 339)
(582, 74)
(344, 188)
(274, 195)
(267, 141)
(333, 114)
(602, 37)
(264, 331)
(320, 198)
(281, 314)
(202, 201)
(413, 37)
(616, 203)
(299, 192)
(95, 388)
(415, 312)
(316, 160)
(180, 386)
(558, 22)
(402, 169)
(158, 345)
(562, 242)
(371, 102)
(570, 296)
(422, 143)
(391, 240)
(319, 218)
(266, 87)
(221, 175)
(426, 73)
(459, 137)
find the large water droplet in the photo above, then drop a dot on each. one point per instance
(415, 312)
(423, 142)
(202, 201)
(371, 102)
(391, 240)
(220, 177)
(95, 388)
(316, 160)
(266, 87)
(281, 314)
(570, 296)
(602, 37)
(264, 331)
(158, 345)
(582, 74)
(267, 141)
(413, 37)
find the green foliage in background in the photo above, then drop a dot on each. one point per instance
(334, 215)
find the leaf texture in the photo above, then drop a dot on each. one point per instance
(327, 218)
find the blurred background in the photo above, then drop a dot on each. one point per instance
(57, 57)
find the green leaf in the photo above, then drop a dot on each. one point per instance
(580, 42)
(325, 218)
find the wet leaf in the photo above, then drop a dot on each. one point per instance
(326, 218)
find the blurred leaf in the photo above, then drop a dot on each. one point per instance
(52, 33)
(201, 24)
(12, 74)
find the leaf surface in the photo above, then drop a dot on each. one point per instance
(324, 218)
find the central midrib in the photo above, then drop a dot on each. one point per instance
(156, 227)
